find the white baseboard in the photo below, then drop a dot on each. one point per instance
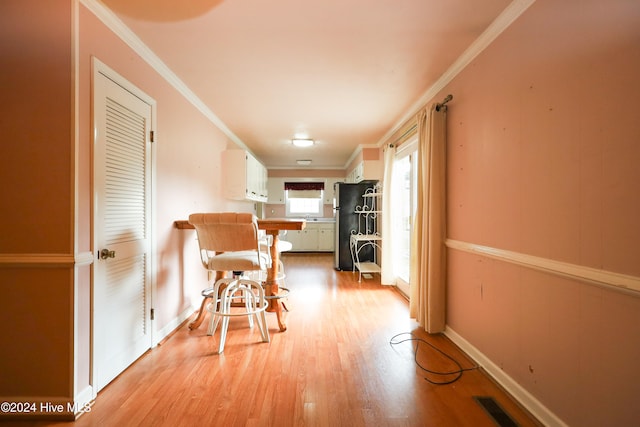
(84, 399)
(173, 325)
(526, 399)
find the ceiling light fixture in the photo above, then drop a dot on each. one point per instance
(303, 162)
(299, 142)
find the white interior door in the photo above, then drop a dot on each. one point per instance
(122, 177)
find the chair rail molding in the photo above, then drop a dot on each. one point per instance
(46, 260)
(608, 279)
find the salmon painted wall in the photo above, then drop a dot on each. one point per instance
(543, 160)
(36, 214)
(36, 128)
(38, 243)
(188, 173)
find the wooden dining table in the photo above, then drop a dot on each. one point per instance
(272, 227)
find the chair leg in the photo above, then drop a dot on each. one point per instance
(195, 323)
(225, 308)
(248, 301)
(216, 305)
(264, 327)
(213, 324)
(254, 302)
(223, 334)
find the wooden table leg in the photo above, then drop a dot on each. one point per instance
(271, 285)
(195, 323)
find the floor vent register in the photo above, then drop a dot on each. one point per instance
(495, 411)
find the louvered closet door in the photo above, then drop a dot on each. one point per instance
(122, 229)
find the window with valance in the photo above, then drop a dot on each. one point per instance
(304, 190)
(304, 198)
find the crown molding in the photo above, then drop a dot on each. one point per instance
(111, 21)
(501, 23)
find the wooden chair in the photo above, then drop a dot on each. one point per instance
(229, 242)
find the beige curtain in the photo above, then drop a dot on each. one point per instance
(428, 253)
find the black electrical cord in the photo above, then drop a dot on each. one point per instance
(458, 372)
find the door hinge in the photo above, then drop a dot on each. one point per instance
(153, 314)
(152, 136)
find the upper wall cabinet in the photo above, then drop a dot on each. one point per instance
(276, 191)
(244, 177)
(328, 189)
(367, 169)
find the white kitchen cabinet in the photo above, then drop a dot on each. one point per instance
(303, 240)
(275, 189)
(295, 238)
(358, 172)
(366, 169)
(244, 177)
(316, 237)
(326, 237)
(329, 193)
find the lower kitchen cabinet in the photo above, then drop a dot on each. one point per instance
(326, 238)
(314, 238)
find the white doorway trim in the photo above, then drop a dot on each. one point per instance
(100, 69)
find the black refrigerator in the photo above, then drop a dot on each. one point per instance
(348, 197)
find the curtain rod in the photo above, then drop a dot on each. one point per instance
(401, 138)
(404, 135)
(414, 126)
(444, 102)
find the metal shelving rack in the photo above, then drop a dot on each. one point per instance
(367, 234)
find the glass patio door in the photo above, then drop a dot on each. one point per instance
(404, 189)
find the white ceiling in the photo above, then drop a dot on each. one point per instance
(343, 72)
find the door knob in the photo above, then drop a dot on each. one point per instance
(106, 253)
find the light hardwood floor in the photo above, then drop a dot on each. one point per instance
(334, 366)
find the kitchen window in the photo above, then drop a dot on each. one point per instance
(304, 198)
